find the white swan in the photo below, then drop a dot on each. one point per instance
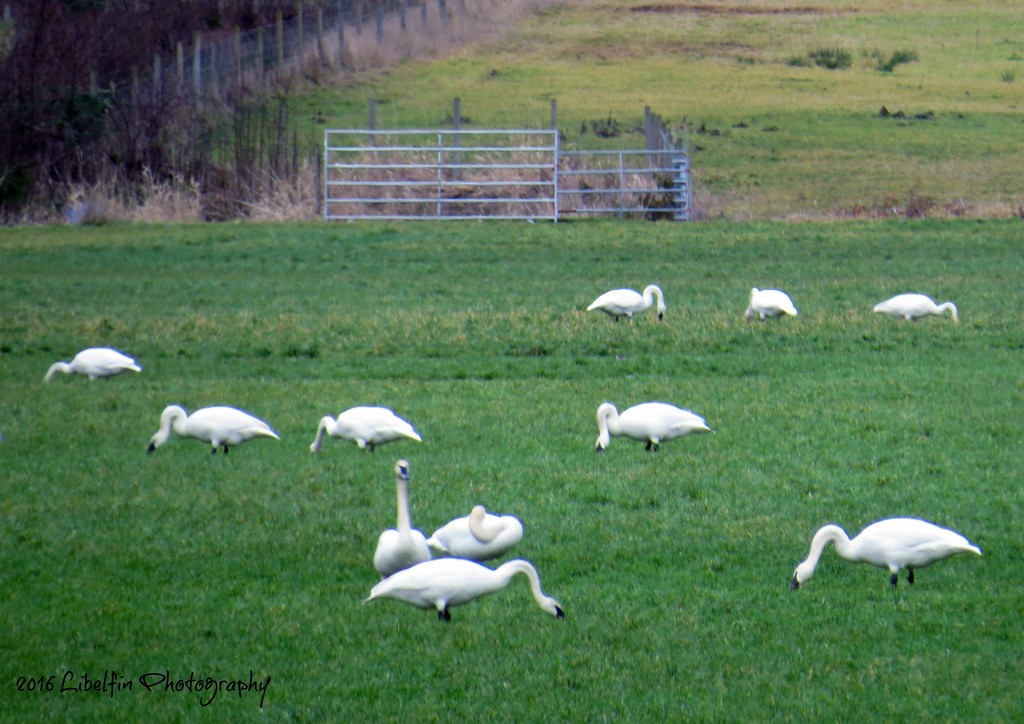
(479, 536)
(626, 302)
(401, 547)
(219, 426)
(769, 303)
(650, 422)
(95, 362)
(367, 427)
(893, 543)
(446, 582)
(915, 306)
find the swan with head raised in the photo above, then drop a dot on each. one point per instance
(366, 426)
(915, 306)
(479, 536)
(894, 543)
(627, 302)
(446, 582)
(650, 422)
(95, 362)
(769, 303)
(400, 547)
(219, 426)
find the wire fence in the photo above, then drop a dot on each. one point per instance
(339, 33)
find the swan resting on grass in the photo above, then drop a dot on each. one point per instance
(400, 547)
(894, 543)
(95, 362)
(626, 302)
(915, 306)
(769, 303)
(650, 422)
(479, 536)
(446, 582)
(367, 427)
(219, 426)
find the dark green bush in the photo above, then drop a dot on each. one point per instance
(897, 58)
(831, 58)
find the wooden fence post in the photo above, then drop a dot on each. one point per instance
(157, 94)
(238, 57)
(261, 58)
(197, 64)
(321, 49)
(456, 139)
(341, 33)
(373, 120)
(379, 8)
(180, 61)
(214, 75)
(279, 33)
(554, 114)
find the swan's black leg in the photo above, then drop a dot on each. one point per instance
(893, 581)
(910, 576)
(649, 446)
(213, 451)
(444, 615)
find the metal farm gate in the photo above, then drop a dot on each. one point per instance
(495, 174)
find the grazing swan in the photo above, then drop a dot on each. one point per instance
(626, 302)
(894, 543)
(403, 547)
(367, 427)
(478, 536)
(915, 306)
(769, 303)
(95, 362)
(446, 582)
(650, 422)
(219, 426)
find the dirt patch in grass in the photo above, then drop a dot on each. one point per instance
(726, 10)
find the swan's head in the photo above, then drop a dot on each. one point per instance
(802, 574)
(402, 470)
(478, 513)
(605, 411)
(550, 605)
(750, 305)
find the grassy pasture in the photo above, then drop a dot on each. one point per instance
(769, 139)
(673, 567)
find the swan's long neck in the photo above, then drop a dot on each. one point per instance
(404, 524)
(172, 417)
(326, 427)
(951, 307)
(607, 423)
(483, 530)
(504, 573)
(830, 534)
(652, 293)
(55, 368)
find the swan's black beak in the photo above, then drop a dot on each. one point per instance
(661, 316)
(150, 449)
(559, 613)
(794, 584)
(599, 449)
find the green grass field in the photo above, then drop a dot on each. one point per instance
(673, 568)
(769, 139)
